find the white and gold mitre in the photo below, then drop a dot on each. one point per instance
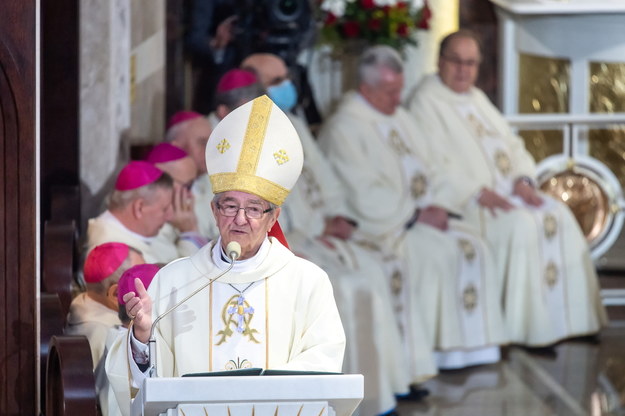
(255, 149)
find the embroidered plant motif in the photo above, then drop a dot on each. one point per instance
(238, 364)
(550, 225)
(469, 297)
(551, 274)
(396, 282)
(237, 313)
(502, 161)
(418, 185)
(397, 144)
(311, 188)
(467, 248)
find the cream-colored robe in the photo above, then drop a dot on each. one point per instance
(370, 152)
(203, 195)
(361, 287)
(160, 249)
(294, 325)
(551, 289)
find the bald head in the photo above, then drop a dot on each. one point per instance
(192, 136)
(270, 69)
(183, 171)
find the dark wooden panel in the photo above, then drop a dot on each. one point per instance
(18, 352)
(60, 164)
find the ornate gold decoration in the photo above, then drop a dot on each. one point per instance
(478, 127)
(254, 135)
(467, 249)
(608, 146)
(281, 156)
(238, 364)
(469, 297)
(223, 146)
(231, 309)
(312, 189)
(550, 224)
(544, 84)
(396, 282)
(607, 87)
(418, 185)
(503, 163)
(542, 143)
(585, 197)
(551, 274)
(256, 185)
(397, 144)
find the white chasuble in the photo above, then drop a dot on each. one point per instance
(238, 326)
(542, 258)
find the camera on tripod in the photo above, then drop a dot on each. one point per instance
(282, 27)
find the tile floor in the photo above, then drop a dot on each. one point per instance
(582, 379)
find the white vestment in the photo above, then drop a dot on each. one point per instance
(203, 195)
(444, 279)
(106, 228)
(92, 319)
(273, 311)
(551, 288)
(361, 288)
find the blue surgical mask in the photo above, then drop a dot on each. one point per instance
(284, 95)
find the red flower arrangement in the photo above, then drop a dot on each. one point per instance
(388, 22)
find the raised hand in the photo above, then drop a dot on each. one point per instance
(139, 308)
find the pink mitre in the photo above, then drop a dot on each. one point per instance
(182, 116)
(136, 174)
(103, 260)
(165, 152)
(235, 78)
(126, 284)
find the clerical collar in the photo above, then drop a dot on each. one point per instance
(240, 266)
(109, 216)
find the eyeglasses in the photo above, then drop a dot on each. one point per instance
(471, 63)
(252, 212)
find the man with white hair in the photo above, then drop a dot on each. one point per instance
(551, 288)
(445, 278)
(273, 310)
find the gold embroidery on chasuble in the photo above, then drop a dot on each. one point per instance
(467, 249)
(418, 185)
(503, 163)
(397, 144)
(312, 189)
(469, 297)
(551, 274)
(237, 315)
(550, 225)
(477, 126)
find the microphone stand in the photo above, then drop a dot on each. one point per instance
(233, 254)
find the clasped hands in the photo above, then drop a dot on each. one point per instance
(492, 200)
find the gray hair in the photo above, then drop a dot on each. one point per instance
(120, 199)
(375, 58)
(172, 133)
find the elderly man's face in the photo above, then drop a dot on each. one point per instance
(155, 211)
(458, 65)
(248, 232)
(385, 96)
(193, 138)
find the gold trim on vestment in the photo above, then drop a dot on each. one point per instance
(254, 135)
(237, 181)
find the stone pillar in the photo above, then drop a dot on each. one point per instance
(122, 88)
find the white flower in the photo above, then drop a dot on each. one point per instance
(336, 7)
(417, 4)
(382, 3)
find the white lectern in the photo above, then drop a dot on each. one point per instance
(314, 395)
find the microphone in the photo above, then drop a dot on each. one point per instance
(233, 250)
